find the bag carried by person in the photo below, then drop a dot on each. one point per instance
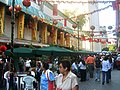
(98, 63)
(51, 79)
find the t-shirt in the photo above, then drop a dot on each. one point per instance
(27, 63)
(70, 81)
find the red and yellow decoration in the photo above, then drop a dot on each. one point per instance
(3, 48)
(54, 37)
(2, 11)
(26, 3)
(21, 26)
(44, 33)
(34, 31)
(67, 40)
(62, 43)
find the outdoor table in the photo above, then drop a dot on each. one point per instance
(19, 75)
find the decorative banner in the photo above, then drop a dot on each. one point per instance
(68, 40)
(44, 33)
(62, 39)
(2, 11)
(55, 10)
(86, 13)
(54, 37)
(65, 22)
(20, 26)
(34, 31)
(115, 5)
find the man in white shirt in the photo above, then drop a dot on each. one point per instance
(105, 68)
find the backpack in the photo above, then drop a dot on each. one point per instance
(97, 63)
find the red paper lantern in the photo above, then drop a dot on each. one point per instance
(18, 8)
(3, 48)
(92, 27)
(101, 32)
(35, 17)
(61, 32)
(55, 22)
(74, 26)
(26, 3)
(67, 34)
(11, 8)
(92, 34)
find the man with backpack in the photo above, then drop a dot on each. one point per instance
(97, 67)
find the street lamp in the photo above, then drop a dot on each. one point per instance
(78, 34)
(12, 25)
(78, 27)
(92, 34)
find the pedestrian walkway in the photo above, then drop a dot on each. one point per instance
(91, 84)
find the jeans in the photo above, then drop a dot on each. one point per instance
(91, 70)
(109, 74)
(97, 73)
(105, 75)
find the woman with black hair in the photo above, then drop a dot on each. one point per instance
(66, 80)
(82, 67)
(47, 78)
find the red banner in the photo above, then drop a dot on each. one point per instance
(55, 10)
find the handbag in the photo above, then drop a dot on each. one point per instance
(50, 83)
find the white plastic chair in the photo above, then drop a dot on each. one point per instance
(28, 80)
(6, 78)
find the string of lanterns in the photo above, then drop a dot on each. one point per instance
(62, 1)
(86, 13)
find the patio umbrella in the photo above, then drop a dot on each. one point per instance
(51, 50)
(20, 52)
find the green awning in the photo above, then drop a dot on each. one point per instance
(4, 1)
(20, 52)
(52, 50)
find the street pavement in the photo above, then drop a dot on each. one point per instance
(91, 84)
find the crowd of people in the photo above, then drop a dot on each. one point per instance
(97, 66)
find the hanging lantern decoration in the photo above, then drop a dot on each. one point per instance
(67, 34)
(34, 17)
(11, 8)
(92, 27)
(110, 27)
(26, 3)
(18, 8)
(100, 32)
(74, 26)
(92, 34)
(3, 48)
(55, 22)
(61, 32)
(90, 40)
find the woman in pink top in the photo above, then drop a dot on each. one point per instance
(66, 80)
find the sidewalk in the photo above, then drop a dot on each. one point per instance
(94, 85)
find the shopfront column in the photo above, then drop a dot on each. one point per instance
(68, 40)
(2, 16)
(20, 29)
(62, 41)
(34, 31)
(44, 33)
(54, 37)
